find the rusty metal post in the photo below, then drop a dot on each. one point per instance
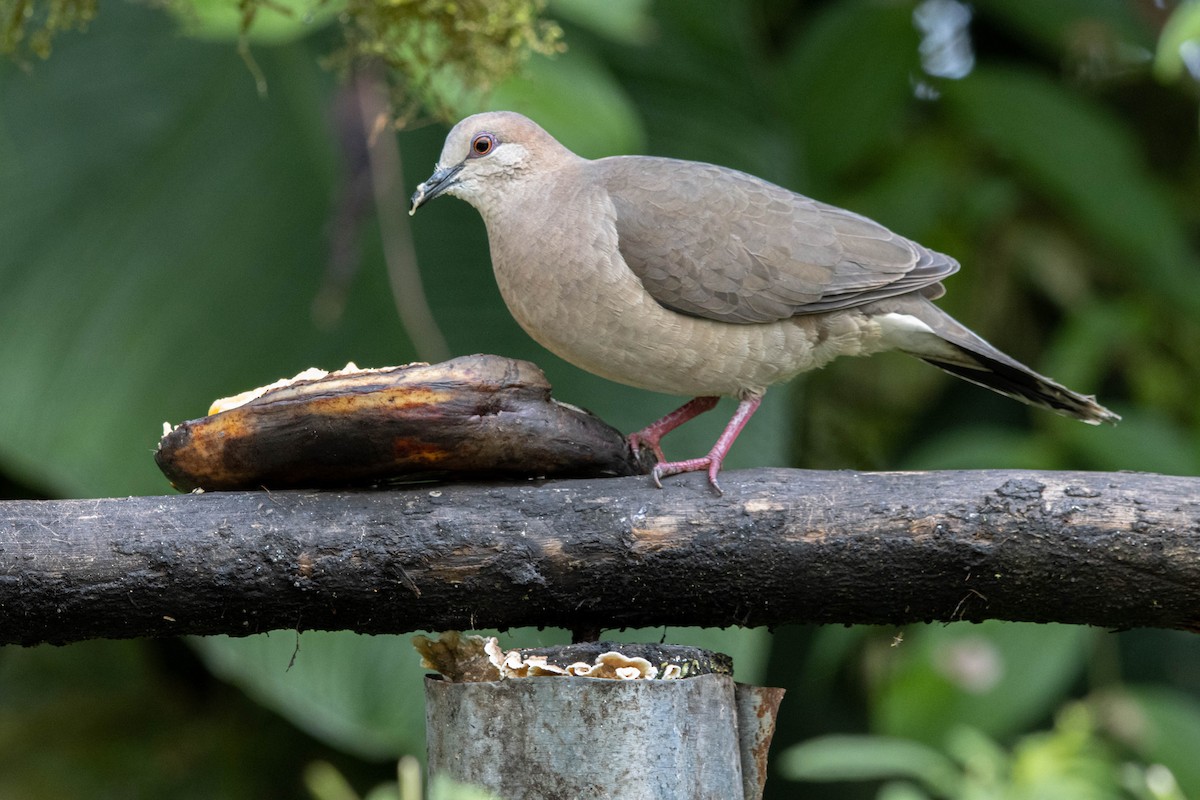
(699, 737)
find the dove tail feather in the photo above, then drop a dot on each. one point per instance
(918, 327)
(1025, 385)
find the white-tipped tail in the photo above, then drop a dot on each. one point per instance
(915, 326)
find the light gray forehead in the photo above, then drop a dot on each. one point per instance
(504, 125)
(458, 141)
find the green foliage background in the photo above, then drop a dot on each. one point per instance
(165, 230)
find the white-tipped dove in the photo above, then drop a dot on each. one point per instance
(693, 279)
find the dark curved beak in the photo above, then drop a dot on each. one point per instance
(441, 180)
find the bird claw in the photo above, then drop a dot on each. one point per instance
(638, 441)
(708, 463)
(711, 463)
(654, 474)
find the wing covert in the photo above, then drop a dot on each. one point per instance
(714, 242)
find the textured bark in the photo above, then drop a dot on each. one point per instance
(781, 546)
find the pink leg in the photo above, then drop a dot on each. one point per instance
(652, 434)
(712, 461)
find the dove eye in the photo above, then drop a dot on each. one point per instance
(482, 144)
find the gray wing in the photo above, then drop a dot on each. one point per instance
(717, 243)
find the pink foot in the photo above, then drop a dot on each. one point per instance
(708, 462)
(640, 440)
(711, 462)
(652, 434)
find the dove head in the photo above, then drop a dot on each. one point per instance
(487, 155)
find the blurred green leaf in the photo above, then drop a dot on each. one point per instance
(362, 693)
(995, 676)
(384, 791)
(964, 447)
(160, 257)
(276, 22)
(912, 195)
(900, 791)
(832, 647)
(981, 758)
(1162, 726)
(1181, 31)
(443, 788)
(1063, 24)
(1146, 441)
(1088, 340)
(324, 782)
(1080, 156)
(860, 758)
(842, 111)
(108, 719)
(702, 90)
(574, 96)
(1069, 762)
(627, 21)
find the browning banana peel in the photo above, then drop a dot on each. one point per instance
(471, 417)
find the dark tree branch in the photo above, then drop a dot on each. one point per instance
(781, 546)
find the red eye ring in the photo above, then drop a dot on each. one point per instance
(482, 144)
